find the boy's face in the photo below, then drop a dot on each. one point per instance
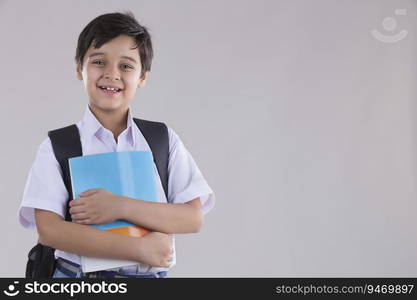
(114, 64)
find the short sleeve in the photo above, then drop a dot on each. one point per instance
(45, 188)
(186, 182)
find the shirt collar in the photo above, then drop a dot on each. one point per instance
(91, 125)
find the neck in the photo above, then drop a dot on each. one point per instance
(115, 121)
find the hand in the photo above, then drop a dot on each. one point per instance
(155, 249)
(96, 206)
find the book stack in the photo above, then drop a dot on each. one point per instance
(128, 173)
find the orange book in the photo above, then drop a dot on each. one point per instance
(130, 230)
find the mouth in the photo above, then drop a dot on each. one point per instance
(109, 90)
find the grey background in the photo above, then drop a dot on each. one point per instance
(301, 121)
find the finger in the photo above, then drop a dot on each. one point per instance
(166, 264)
(79, 216)
(83, 221)
(76, 209)
(89, 192)
(76, 202)
(169, 262)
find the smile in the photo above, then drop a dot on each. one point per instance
(109, 91)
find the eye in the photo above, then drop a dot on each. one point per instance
(97, 62)
(125, 66)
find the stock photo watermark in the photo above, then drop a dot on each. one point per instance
(70, 289)
(390, 25)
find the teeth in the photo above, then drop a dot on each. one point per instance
(110, 88)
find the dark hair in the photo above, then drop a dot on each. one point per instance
(108, 26)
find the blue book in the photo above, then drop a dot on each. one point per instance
(130, 174)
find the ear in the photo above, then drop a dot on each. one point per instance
(142, 81)
(79, 73)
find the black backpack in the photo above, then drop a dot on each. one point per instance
(66, 144)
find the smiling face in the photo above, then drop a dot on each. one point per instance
(115, 65)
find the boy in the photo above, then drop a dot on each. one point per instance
(113, 59)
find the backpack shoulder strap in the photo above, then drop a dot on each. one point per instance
(66, 144)
(156, 135)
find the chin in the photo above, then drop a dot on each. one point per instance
(107, 105)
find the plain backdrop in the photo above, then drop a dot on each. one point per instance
(303, 123)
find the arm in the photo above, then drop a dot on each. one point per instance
(98, 206)
(164, 217)
(53, 231)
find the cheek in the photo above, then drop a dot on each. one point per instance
(133, 77)
(130, 89)
(130, 83)
(91, 76)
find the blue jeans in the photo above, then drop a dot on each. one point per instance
(68, 269)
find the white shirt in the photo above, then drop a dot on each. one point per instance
(45, 188)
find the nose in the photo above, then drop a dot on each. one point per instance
(112, 73)
(111, 77)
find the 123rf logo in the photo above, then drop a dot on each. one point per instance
(11, 289)
(390, 25)
(72, 289)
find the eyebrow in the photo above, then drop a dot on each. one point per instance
(123, 56)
